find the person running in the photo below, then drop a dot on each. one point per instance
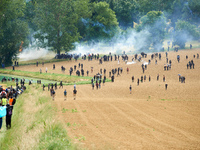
(130, 88)
(74, 93)
(65, 94)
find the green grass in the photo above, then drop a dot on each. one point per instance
(33, 62)
(67, 79)
(35, 117)
(10, 135)
(51, 77)
(54, 138)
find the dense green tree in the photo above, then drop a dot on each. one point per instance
(13, 29)
(154, 22)
(103, 23)
(57, 22)
(154, 5)
(191, 11)
(184, 32)
(126, 12)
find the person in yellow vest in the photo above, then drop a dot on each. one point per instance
(4, 101)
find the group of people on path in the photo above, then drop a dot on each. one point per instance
(8, 97)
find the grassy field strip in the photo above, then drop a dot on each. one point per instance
(33, 62)
(47, 76)
(67, 79)
(33, 124)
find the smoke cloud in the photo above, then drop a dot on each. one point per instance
(35, 53)
(132, 42)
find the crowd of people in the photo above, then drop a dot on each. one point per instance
(8, 97)
(100, 76)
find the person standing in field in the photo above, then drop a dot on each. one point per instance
(74, 93)
(1, 120)
(53, 94)
(65, 94)
(130, 88)
(132, 78)
(127, 70)
(61, 84)
(8, 116)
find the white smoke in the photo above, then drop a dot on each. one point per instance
(130, 43)
(33, 53)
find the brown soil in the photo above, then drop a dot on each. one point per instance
(149, 118)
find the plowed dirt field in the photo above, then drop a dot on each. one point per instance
(148, 118)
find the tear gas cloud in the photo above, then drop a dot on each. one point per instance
(131, 43)
(34, 53)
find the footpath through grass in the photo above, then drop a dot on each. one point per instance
(34, 126)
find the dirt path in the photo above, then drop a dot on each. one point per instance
(149, 118)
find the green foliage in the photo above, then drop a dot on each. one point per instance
(154, 22)
(13, 29)
(103, 23)
(56, 21)
(126, 12)
(184, 32)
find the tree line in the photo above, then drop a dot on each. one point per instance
(58, 24)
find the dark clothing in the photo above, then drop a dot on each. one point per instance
(1, 121)
(8, 116)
